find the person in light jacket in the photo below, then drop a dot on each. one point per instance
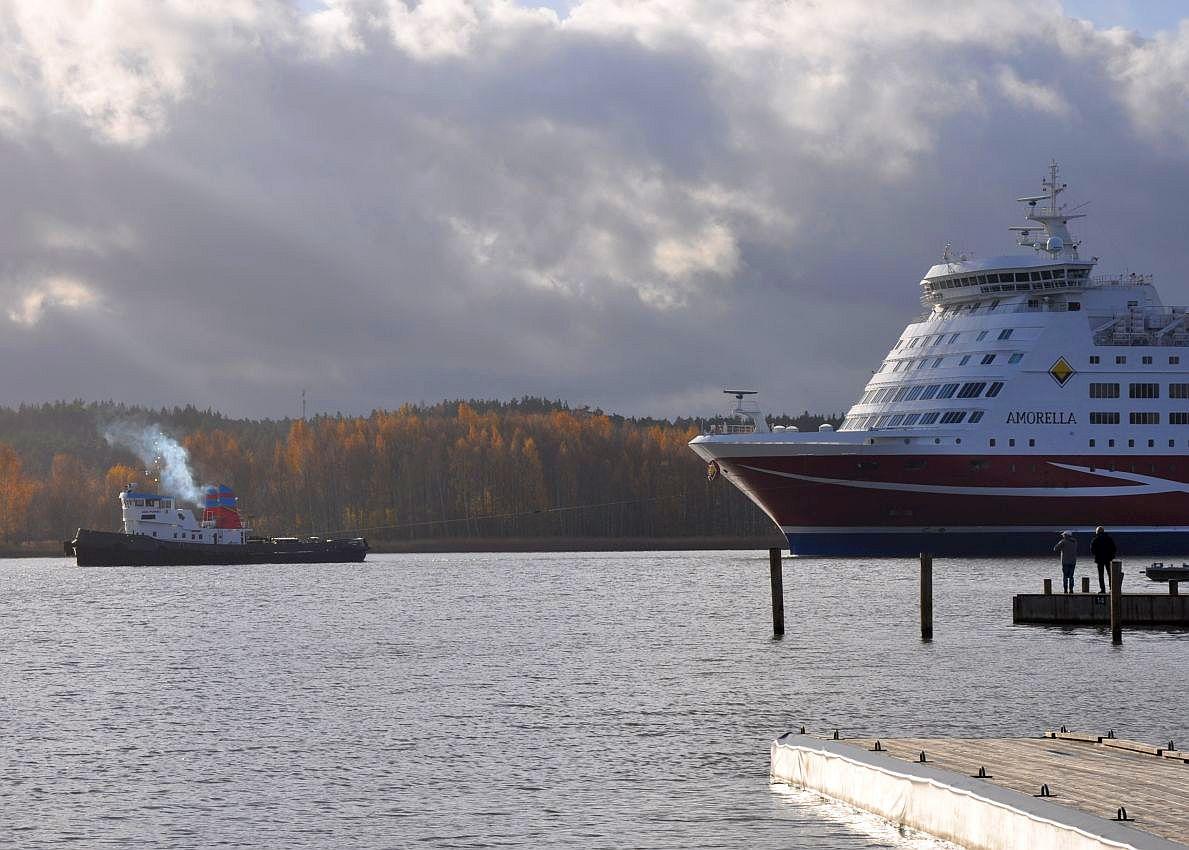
(1068, 547)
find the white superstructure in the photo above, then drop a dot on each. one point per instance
(162, 517)
(1032, 395)
(1003, 335)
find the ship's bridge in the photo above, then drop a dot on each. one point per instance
(965, 279)
(1054, 267)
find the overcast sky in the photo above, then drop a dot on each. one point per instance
(621, 203)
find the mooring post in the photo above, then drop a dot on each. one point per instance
(1048, 587)
(1116, 602)
(926, 597)
(1085, 584)
(1174, 589)
(777, 570)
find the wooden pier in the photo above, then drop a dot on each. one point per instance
(1085, 609)
(1087, 777)
(1064, 790)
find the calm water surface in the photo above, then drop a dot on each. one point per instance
(580, 700)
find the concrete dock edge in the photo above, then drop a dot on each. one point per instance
(973, 813)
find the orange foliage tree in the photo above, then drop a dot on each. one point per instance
(484, 469)
(16, 492)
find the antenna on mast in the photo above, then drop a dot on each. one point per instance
(1052, 218)
(303, 404)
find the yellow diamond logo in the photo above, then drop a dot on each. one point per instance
(1061, 371)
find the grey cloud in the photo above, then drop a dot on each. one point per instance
(621, 208)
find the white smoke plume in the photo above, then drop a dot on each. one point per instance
(159, 452)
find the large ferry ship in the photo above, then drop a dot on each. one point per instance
(1032, 396)
(160, 531)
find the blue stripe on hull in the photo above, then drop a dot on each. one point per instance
(977, 544)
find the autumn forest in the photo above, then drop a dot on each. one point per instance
(529, 468)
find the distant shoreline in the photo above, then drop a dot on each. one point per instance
(574, 544)
(432, 545)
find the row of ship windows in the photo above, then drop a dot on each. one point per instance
(1110, 444)
(924, 392)
(1121, 359)
(1010, 277)
(952, 310)
(907, 364)
(973, 389)
(907, 420)
(957, 417)
(929, 340)
(1172, 444)
(1145, 417)
(177, 536)
(1140, 390)
(153, 503)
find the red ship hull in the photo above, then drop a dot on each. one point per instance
(955, 504)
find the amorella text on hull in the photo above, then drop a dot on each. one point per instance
(1041, 417)
(1030, 397)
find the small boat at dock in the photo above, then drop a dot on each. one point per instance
(1167, 572)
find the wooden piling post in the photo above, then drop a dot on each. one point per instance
(926, 597)
(1085, 584)
(1116, 602)
(1048, 587)
(777, 570)
(1174, 588)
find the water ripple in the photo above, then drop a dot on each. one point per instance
(576, 700)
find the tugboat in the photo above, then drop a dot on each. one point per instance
(158, 531)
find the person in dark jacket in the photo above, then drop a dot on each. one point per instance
(1102, 547)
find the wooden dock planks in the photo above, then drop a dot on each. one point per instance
(1085, 776)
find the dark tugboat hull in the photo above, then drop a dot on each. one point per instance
(116, 549)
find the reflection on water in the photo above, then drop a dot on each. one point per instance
(585, 700)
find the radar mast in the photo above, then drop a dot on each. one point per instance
(1052, 218)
